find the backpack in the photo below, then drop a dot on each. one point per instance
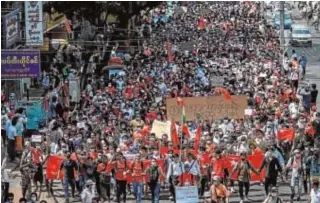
(154, 174)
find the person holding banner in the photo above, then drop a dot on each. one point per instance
(243, 168)
(273, 167)
(154, 172)
(69, 166)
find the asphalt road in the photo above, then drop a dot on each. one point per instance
(312, 53)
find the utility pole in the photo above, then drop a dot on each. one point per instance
(282, 41)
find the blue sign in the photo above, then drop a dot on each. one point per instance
(11, 27)
(187, 194)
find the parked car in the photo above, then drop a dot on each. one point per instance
(301, 35)
(287, 20)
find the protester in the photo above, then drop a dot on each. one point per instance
(273, 196)
(219, 192)
(315, 192)
(243, 168)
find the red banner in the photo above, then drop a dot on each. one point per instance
(286, 134)
(53, 166)
(255, 160)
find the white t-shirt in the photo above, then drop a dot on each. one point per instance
(315, 196)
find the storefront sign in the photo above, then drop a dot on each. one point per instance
(187, 194)
(11, 28)
(34, 23)
(20, 64)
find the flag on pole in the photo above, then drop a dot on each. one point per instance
(197, 139)
(174, 135)
(180, 101)
(224, 92)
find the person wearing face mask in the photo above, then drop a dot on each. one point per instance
(273, 167)
(68, 165)
(219, 192)
(33, 197)
(88, 193)
(243, 167)
(175, 170)
(154, 172)
(295, 164)
(104, 169)
(273, 197)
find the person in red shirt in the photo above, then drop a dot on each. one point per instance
(186, 179)
(219, 166)
(137, 170)
(104, 169)
(121, 170)
(37, 159)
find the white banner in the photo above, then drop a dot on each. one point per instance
(34, 23)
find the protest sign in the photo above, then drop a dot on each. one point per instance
(159, 128)
(187, 194)
(217, 80)
(36, 138)
(210, 108)
(74, 89)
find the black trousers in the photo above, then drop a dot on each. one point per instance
(203, 182)
(152, 186)
(105, 190)
(5, 191)
(246, 186)
(11, 149)
(268, 182)
(4, 136)
(121, 189)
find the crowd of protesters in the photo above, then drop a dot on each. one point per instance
(111, 124)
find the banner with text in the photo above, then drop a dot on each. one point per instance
(187, 194)
(207, 108)
(11, 23)
(20, 64)
(34, 23)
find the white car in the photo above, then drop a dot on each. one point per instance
(301, 35)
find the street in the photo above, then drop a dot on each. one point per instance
(256, 194)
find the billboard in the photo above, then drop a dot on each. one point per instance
(11, 26)
(34, 23)
(20, 64)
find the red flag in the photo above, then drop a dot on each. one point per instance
(145, 130)
(53, 166)
(286, 134)
(185, 130)
(255, 160)
(197, 139)
(180, 101)
(163, 150)
(224, 92)
(174, 135)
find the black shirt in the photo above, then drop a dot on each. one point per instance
(314, 95)
(69, 166)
